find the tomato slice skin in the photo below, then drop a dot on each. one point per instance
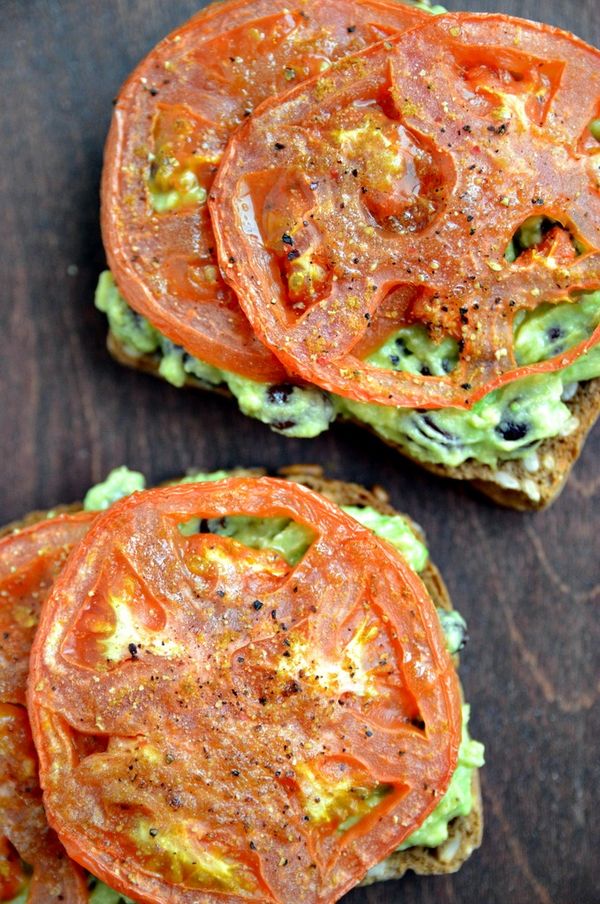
(29, 561)
(244, 678)
(178, 109)
(470, 157)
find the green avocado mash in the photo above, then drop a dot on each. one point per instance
(458, 799)
(292, 540)
(102, 894)
(119, 483)
(509, 423)
(295, 411)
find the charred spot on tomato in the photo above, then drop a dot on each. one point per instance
(516, 85)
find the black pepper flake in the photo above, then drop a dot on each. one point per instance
(368, 733)
(472, 230)
(355, 173)
(351, 29)
(262, 701)
(470, 218)
(466, 386)
(292, 687)
(287, 239)
(538, 201)
(252, 846)
(293, 255)
(257, 605)
(273, 613)
(279, 146)
(153, 832)
(467, 129)
(221, 593)
(133, 650)
(240, 659)
(314, 186)
(235, 772)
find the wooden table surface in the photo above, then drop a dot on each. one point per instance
(529, 585)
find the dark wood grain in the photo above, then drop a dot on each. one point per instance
(529, 585)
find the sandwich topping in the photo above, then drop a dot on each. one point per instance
(323, 687)
(172, 121)
(30, 855)
(507, 424)
(29, 562)
(400, 177)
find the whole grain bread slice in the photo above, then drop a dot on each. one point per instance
(523, 484)
(465, 832)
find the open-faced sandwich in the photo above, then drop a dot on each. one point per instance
(403, 230)
(241, 689)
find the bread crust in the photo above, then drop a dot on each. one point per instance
(511, 485)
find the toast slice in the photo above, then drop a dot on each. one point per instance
(465, 832)
(512, 484)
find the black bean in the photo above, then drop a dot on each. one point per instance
(554, 332)
(395, 360)
(425, 372)
(511, 431)
(280, 393)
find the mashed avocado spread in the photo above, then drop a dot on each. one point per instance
(509, 423)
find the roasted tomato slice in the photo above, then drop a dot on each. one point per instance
(399, 178)
(172, 121)
(29, 562)
(213, 721)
